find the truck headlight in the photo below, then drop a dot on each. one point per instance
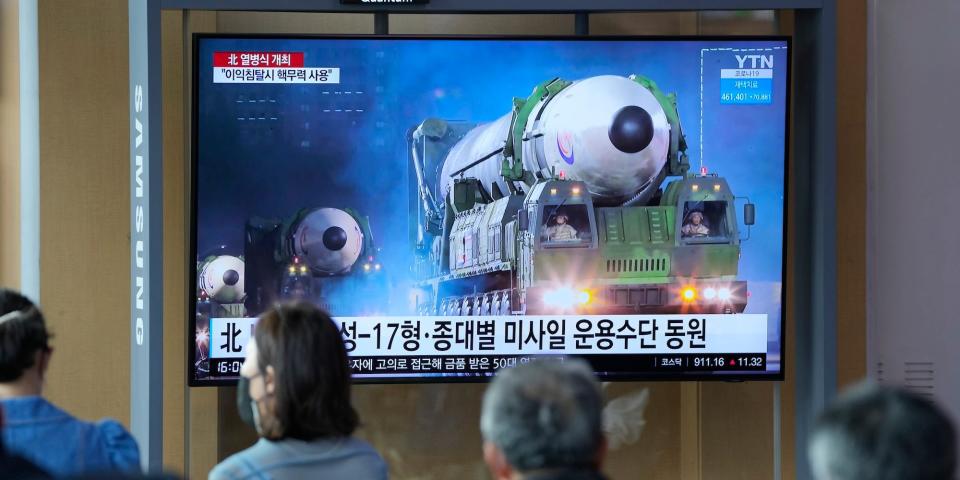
(566, 297)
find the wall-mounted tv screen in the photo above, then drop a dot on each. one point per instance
(464, 204)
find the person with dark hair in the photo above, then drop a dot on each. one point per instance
(877, 433)
(544, 421)
(295, 391)
(35, 428)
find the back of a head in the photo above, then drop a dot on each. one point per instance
(23, 332)
(874, 433)
(545, 415)
(305, 348)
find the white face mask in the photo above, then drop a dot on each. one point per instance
(249, 408)
(257, 425)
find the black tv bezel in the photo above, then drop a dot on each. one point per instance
(698, 376)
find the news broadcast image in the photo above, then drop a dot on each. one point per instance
(460, 205)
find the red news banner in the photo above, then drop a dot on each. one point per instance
(269, 67)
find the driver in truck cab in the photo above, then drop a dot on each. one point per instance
(694, 226)
(562, 231)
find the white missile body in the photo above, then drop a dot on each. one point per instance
(328, 240)
(607, 131)
(222, 279)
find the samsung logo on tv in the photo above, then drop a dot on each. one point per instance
(139, 215)
(381, 2)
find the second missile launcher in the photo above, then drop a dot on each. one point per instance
(323, 255)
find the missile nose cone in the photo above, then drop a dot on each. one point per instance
(231, 277)
(631, 130)
(334, 238)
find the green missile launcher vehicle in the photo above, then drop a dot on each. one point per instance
(502, 235)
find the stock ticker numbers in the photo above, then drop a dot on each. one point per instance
(728, 362)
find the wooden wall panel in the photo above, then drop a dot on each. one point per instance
(737, 430)
(851, 191)
(287, 22)
(482, 24)
(174, 242)
(9, 145)
(84, 204)
(654, 23)
(199, 442)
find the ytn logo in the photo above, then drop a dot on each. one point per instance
(756, 61)
(139, 331)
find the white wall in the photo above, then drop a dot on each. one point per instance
(913, 169)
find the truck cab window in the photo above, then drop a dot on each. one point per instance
(705, 222)
(565, 226)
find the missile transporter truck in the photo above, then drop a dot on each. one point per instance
(561, 206)
(324, 255)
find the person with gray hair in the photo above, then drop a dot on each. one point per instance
(543, 420)
(876, 433)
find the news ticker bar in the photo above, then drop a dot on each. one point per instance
(479, 365)
(524, 335)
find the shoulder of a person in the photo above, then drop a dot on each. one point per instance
(230, 468)
(372, 458)
(360, 444)
(31, 409)
(119, 445)
(242, 464)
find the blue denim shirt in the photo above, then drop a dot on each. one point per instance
(62, 445)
